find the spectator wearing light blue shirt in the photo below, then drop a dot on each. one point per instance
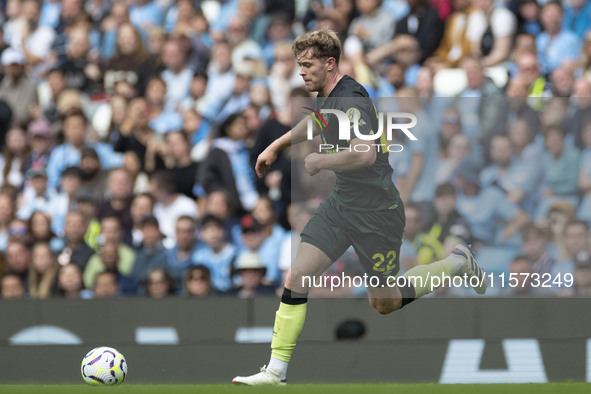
(505, 173)
(176, 75)
(68, 154)
(492, 217)
(162, 120)
(561, 171)
(584, 211)
(577, 17)
(555, 45)
(216, 253)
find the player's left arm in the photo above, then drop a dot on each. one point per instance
(343, 160)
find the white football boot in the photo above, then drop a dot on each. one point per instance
(263, 378)
(471, 268)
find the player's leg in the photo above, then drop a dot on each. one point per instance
(289, 319)
(423, 279)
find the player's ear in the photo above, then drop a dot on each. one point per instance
(331, 64)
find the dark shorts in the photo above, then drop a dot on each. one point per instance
(375, 236)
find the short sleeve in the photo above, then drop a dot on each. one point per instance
(503, 22)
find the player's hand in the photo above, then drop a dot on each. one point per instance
(264, 161)
(312, 163)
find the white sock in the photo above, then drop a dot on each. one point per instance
(278, 367)
(457, 261)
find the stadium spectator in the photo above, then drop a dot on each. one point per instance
(528, 72)
(561, 163)
(18, 259)
(43, 272)
(105, 285)
(69, 282)
(535, 247)
(94, 178)
(12, 287)
(423, 23)
(228, 165)
(62, 202)
(492, 217)
(76, 249)
(457, 149)
(69, 153)
(455, 46)
(118, 202)
(490, 32)
(80, 73)
(283, 76)
(178, 161)
(584, 211)
(513, 178)
(521, 268)
(217, 203)
(113, 255)
(528, 22)
(243, 47)
(239, 98)
(13, 157)
(582, 274)
(371, 29)
(251, 273)
(35, 197)
(216, 253)
(151, 255)
(176, 75)
(33, 41)
(582, 111)
(170, 205)
(7, 212)
(255, 239)
(142, 205)
(562, 80)
(39, 229)
(450, 228)
(159, 284)
(555, 44)
(575, 17)
(118, 15)
(198, 282)
(162, 120)
(40, 143)
(180, 256)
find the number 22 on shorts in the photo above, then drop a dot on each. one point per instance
(379, 259)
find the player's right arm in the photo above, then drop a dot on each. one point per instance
(294, 136)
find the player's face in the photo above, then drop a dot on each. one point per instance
(312, 70)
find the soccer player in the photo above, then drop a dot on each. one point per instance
(363, 210)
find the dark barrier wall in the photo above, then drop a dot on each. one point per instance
(434, 340)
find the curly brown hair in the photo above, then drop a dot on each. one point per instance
(323, 43)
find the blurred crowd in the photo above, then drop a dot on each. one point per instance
(129, 131)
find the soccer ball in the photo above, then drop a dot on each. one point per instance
(103, 366)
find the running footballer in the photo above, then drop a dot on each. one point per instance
(363, 210)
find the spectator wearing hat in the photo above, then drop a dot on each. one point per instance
(216, 253)
(254, 239)
(491, 216)
(36, 196)
(582, 275)
(40, 142)
(251, 273)
(150, 256)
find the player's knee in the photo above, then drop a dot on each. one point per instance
(385, 306)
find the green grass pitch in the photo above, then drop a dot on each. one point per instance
(307, 388)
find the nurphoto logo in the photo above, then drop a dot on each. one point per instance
(351, 120)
